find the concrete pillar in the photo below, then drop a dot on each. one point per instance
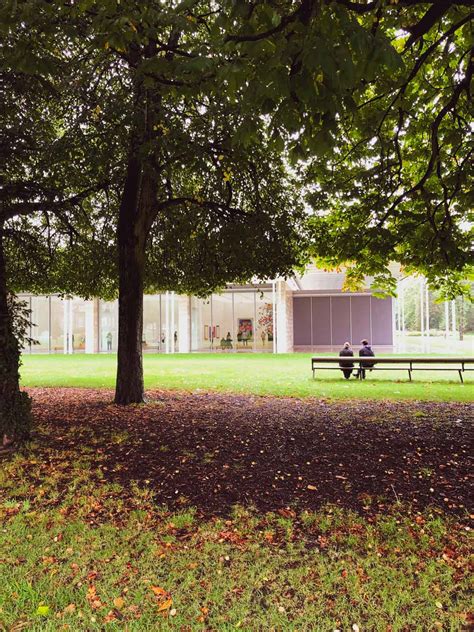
(184, 324)
(66, 325)
(92, 326)
(284, 318)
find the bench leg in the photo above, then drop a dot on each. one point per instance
(409, 374)
(313, 374)
(460, 375)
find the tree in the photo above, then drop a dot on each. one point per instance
(305, 77)
(185, 165)
(176, 157)
(43, 200)
(398, 183)
(198, 53)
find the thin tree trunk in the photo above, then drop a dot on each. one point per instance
(14, 405)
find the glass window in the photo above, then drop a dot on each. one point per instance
(175, 322)
(57, 325)
(244, 324)
(40, 323)
(151, 323)
(201, 325)
(222, 325)
(108, 326)
(78, 307)
(264, 326)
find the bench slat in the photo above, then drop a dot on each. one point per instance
(395, 359)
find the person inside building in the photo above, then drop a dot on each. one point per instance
(365, 352)
(346, 365)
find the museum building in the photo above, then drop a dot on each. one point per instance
(304, 313)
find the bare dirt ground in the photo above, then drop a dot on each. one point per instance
(213, 451)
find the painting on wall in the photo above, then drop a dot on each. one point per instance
(244, 330)
(211, 332)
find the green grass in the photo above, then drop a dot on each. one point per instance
(84, 558)
(260, 374)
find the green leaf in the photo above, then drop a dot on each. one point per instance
(43, 611)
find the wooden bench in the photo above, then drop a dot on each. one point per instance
(401, 363)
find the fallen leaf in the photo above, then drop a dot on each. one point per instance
(159, 592)
(92, 597)
(165, 605)
(110, 617)
(69, 609)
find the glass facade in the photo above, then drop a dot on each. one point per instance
(153, 336)
(234, 320)
(264, 323)
(108, 326)
(40, 323)
(57, 324)
(77, 330)
(202, 335)
(238, 320)
(222, 322)
(245, 320)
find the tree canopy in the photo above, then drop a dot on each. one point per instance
(397, 184)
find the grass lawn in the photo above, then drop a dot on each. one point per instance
(160, 571)
(262, 374)
(87, 544)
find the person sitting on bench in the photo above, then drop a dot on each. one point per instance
(346, 365)
(364, 352)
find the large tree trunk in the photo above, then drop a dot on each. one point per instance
(14, 404)
(135, 219)
(131, 245)
(138, 201)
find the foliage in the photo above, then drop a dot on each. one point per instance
(21, 320)
(398, 183)
(15, 410)
(359, 81)
(54, 206)
(223, 209)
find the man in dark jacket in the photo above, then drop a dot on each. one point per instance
(365, 352)
(346, 365)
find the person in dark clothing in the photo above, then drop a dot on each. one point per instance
(365, 352)
(346, 365)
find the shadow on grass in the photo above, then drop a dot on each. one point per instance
(213, 451)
